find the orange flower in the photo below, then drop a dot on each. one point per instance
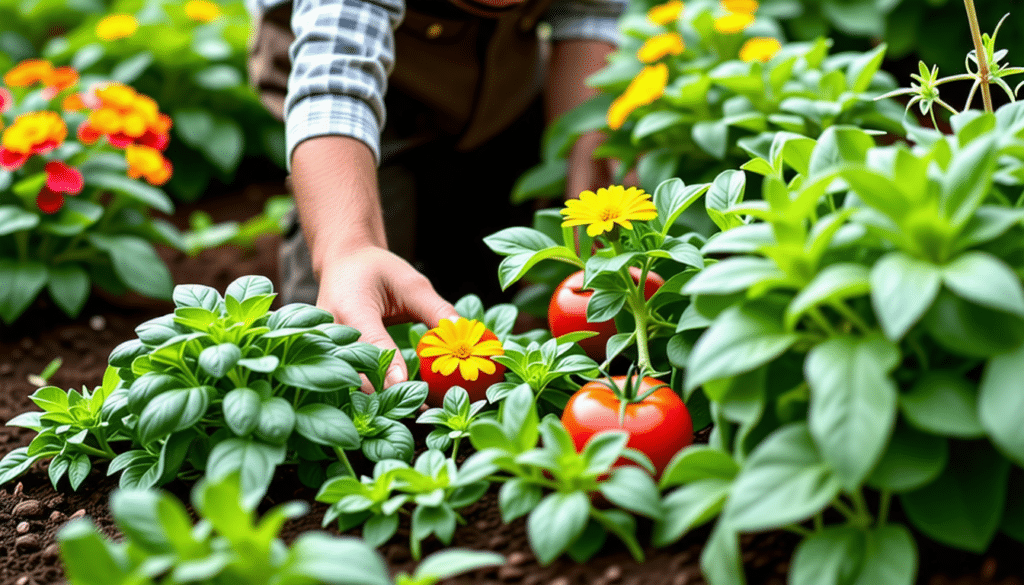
(116, 26)
(660, 46)
(31, 133)
(202, 10)
(73, 103)
(148, 163)
(127, 117)
(29, 72)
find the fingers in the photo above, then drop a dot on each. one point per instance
(423, 304)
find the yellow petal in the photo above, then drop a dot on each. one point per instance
(468, 371)
(484, 365)
(492, 347)
(435, 351)
(445, 365)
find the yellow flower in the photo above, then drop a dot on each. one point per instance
(147, 163)
(202, 10)
(35, 132)
(665, 13)
(459, 346)
(660, 46)
(733, 22)
(760, 49)
(602, 210)
(29, 72)
(116, 26)
(646, 87)
(746, 6)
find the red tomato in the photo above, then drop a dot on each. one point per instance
(660, 426)
(438, 384)
(567, 311)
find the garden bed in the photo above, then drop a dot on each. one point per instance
(31, 512)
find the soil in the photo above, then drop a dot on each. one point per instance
(31, 511)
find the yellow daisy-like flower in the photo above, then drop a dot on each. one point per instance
(459, 346)
(202, 10)
(734, 22)
(760, 49)
(660, 46)
(747, 6)
(116, 26)
(646, 87)
(601, 211)
(665, 13)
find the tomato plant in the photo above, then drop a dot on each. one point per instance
(459, 354)
(567, 311)
(655, 417)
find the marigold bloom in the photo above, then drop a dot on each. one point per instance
(31, 133)
(747, 6)
(62, 178)
(147, 162)
(660, 46)
(60, 79)
(457, 346)
(202, 10)
(126, 117)
(29, 72)
(116, 26)
(646, 87)
(760, 49)
(72, 103)
(734, 22)
(601, 211)
(665, 13)
(49, 201)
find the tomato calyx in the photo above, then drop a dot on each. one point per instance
(629, 392)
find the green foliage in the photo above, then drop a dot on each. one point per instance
(716, 108)
(230, 545)
(225, 385)
(564, 520)
(434, 484)
(451, 421)
(203, 233)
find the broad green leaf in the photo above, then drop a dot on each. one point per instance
(1001, 403)
(843, 554)
(329, 559)
(276, 421)
(741, 339)
(943, 403)
(254, 461)
(733, 275)
(136, 264)
(712, 137)
(31, 277)
(863, 69)
(392, 441)
(517, 497)
(319, 372)
(555, 523)
(87, 556)
(173, 410)
(325, 425)
(837, 282)
(516, 240)
(911, 460)
(982, 278)
(971, 330)
(241, 408)
(853, 403)
(783, 481)
(68, 286)
(902, 290)
(133, 189)
(448, 563)
(633, 489)
(963, 507)
(218, 360)
(720, 560)
(14, 218)
(696, 463)
(968, 180)
(15, 463)
(689, 507)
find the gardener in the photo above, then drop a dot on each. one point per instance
(463, 121)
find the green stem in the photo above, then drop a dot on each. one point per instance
(455, 448)
(819, 523)
(979, 50)
(883, 507)
(820, 320)
(344, 459)
(101, 438)
(844, 509)
(863, 513)
(851, 316)
(21, 239)
(797, 529)
(94, 451)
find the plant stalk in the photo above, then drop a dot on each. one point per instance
(979, 50)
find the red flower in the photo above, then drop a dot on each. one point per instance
(87, 134)
(49, 201)
(12, 161)
(6, 99)
(62, 178)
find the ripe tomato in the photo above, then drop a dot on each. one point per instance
(567, 311)
(660, 426)
(439, 383)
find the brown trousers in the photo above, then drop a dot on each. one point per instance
(438, 201)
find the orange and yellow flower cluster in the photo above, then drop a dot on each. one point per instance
(114, 111)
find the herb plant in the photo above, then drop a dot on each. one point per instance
(76, 196)
(229, 545)
(453, 420)
(434, 484)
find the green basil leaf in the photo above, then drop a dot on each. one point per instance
(197, 295)
(689, 507)
(136, 264)
(241, 408)
(88, 558)
(557, 521)
(326, 425)
(698, 462)
(392, 441)
(911, 460)
(276, 421)
(902, 290)
(402, 399)
(31, 277)
(254, 461)
(633, 489)
(173, 410)
(1000, 403)
(219, 359)
(68, 285)
(943, 403)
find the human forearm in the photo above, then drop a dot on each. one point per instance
(572, 62)
(335, 183)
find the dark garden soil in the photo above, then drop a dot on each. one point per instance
(31, 512)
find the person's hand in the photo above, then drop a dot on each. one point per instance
(371, 288)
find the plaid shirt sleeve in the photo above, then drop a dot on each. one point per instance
(341, 58)
(586, 20)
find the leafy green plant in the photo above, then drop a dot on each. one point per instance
(223, 385)
(722, 91)
(196, 69)
(229, 545)
(203, 233)
(546, 369)
(564, 520)
(866, 349)
(74, 210)
(453, 420)
(434, 484)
